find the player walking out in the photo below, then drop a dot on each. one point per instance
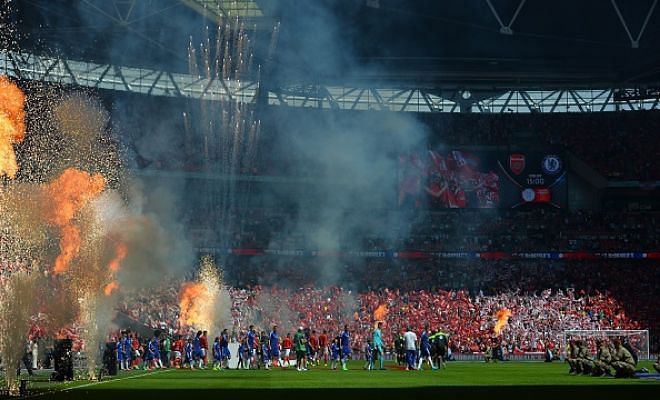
(411, 348)
(154, 351)
(178, 351)
(243, 355)
(314, 348)
(135, 345)
(224, 347)
(120, 354)
(265, 350)
(379, 346)
(334, 349)
(274, 344)
(300, 343)
(323, 347)
(188, 358)
(287, 344)
(345, 348)
(197, 349)
(217, 354)
(425, 349)
(127, 351)
(166, 349)
(251, 347)
(204, 344)
(368, 356)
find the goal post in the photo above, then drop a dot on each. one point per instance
(638, 339)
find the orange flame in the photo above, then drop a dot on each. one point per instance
(121, 251)
(502, 320)
(69, 247)
(110, 287)
(12, 125)
(66, 196)
(381, 313)
(192, 297)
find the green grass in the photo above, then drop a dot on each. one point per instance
(459, 376)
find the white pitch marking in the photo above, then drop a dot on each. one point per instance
(98, 383)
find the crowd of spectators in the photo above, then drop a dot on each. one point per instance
(456, 230)
(547, 299)
(535, 230)
(460, 296)
(619, 145)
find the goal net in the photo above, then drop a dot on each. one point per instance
(638, 339)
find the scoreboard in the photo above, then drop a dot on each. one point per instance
(459, 178)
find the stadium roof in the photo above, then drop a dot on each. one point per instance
(476, 44)
(227, 8)
(485, 42)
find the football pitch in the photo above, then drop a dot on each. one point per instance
(459, 380)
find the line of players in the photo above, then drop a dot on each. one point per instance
(254, 351)
(271, 350)
(432, 347)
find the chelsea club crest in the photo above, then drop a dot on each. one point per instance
(551, 164)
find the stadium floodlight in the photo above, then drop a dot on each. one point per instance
(638, 339)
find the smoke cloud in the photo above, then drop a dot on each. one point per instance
(351, 157)
(353, 162)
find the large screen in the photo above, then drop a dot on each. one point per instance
(438, 179)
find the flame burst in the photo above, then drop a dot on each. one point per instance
(198, 300)
(502, 320)
(380, 313)
(191, 302)
(121, 251)
(12, 125)
(110, 288)
(65, 197)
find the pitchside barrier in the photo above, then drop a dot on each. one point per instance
(638, 340)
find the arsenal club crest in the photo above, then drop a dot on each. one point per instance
(517, 163)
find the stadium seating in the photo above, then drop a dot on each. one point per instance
(539, 316)
(458, 295)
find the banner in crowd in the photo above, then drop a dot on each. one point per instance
(405, 254)
(438, 179)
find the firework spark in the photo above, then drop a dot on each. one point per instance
(17, 305)
(199, 301)
(77, 115)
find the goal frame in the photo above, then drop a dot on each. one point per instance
(594, 333)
